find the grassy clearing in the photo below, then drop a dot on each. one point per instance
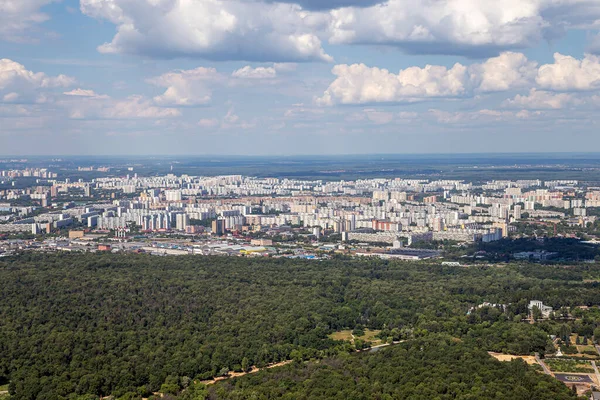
(342, 335)
(369, 336)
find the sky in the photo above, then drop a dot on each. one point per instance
(287, 77)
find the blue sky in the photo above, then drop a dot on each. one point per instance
(298, 77)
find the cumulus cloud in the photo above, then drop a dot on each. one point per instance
(507, 71)
(186, 87)
(13, 73)
(450, 27)
(248, 72)
(17, 83)
(570, 74)
(360, 84)
(292, 30)
(17, 17)
(472, 28)
(210, 29)
(540, 100)
(329, 4)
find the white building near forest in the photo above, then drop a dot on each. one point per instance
(546, 310)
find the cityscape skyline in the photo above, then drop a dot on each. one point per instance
(298, 77)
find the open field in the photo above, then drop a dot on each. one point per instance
(509, 357)
(369, 336)
(342, 335)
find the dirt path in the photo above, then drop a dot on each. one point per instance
(281, 364)
(238, 374)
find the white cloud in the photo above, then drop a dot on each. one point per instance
(539, 100)
(186, 87)
(18, 17)
(230, 121)
(248, 72)
(359, 84)
(329, 4)
(17, 83)
(211, 29)
(231, 118)
(478, 117)
(292, 30)
(507, 71)
(14, 74)
(132, 107)
(300, 110)
(138, 107)
(14, 110)
(432, 26)
(570, 74)
(469, 27)
(85, 93)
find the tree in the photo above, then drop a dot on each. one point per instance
(245, 364)
(536, 313)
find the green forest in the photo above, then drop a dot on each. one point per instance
(431, 368)
(90, 325)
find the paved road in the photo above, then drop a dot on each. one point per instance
(543, 364)
(596, 370)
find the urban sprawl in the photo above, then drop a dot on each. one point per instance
(239, 215)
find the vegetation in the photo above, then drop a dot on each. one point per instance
(130, 325)
(567, 365)
(432, 368)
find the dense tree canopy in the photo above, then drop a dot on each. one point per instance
(434, 368)
(105, 324)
